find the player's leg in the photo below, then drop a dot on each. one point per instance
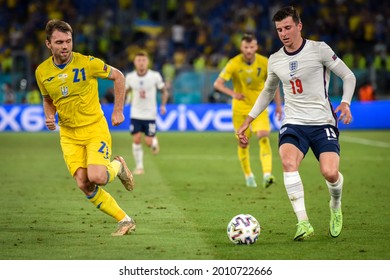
(292, 151)
(136, 130)
(327, 150)
(151, 139)
(100, 171)
(261, 125)
(243, 152)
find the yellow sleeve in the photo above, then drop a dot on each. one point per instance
(99, 68)
(228, 71)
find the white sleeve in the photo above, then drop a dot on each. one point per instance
(160, 82)
(337, 66)
(127, 81)
(266, 95)
(349, 80)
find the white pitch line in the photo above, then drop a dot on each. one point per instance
(367, 142)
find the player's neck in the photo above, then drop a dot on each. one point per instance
(142, 72)
(295, 46)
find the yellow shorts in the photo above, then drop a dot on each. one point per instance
(90, 144)
(262, 122)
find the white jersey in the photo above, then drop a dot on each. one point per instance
(305, 76)
(144, 94)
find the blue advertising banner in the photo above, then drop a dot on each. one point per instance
(199, 117)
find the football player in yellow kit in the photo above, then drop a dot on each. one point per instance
(248, 72)
(69, 86)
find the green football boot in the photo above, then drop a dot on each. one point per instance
(336, 222)
(304, 230)
(268, 181)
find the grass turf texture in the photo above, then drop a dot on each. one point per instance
(183, 202)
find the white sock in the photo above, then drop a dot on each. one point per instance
(154, 141)
(138, 154)
(126, 218)
(335, 190)
(294, 188)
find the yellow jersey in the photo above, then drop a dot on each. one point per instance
(247, 79)
(73, 88)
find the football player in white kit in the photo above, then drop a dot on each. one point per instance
(143, 84)
(303, 66)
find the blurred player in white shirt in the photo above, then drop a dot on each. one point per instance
(144, 84)
(303, 66)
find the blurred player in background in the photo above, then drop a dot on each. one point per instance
(303, 66)
(248, 72)
(143, 84)
(68, 82)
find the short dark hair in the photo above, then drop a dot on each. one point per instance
(56, 24)
(248, 37)
(285, 12)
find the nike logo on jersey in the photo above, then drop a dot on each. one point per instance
(292, 74)
(51, 78)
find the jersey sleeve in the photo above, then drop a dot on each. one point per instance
(99, 68)
(337, 66)
(128, 81)
(227, 72)
(40, 84)
(159, 81)
(328, 56)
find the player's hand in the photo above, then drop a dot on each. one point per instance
(117, 118)
(241, 134)
(238, 96)
(51, 122)
(279, 112)
(163, 110)
(345, 115)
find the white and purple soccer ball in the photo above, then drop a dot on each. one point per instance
(243, 229)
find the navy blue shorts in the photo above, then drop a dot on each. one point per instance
(320, 138)
(148, 127)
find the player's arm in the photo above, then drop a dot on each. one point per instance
(338, 67)
(262, 102)
(349, 83)
(50, 110)
(119, 90)
(278, 102)
(219, 85)
(164, 100)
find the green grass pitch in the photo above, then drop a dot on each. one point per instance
(183, 202)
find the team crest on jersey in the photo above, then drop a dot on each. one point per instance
(105, 68)
(64, 90)
(293, 65)
(63, 77)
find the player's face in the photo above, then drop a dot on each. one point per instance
(61, 45)
(289, 33)
(248, 49)
(141, 63)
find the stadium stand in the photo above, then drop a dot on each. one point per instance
(191, 34)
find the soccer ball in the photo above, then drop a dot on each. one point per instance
(243, 229)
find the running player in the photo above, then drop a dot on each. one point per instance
(303, 66)
(68, 82)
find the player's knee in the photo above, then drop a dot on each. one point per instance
(330, 174)
(98, 178)
(289, 164)
(242, 145)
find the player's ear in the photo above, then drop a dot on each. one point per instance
(48, 44)
(300, 25)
